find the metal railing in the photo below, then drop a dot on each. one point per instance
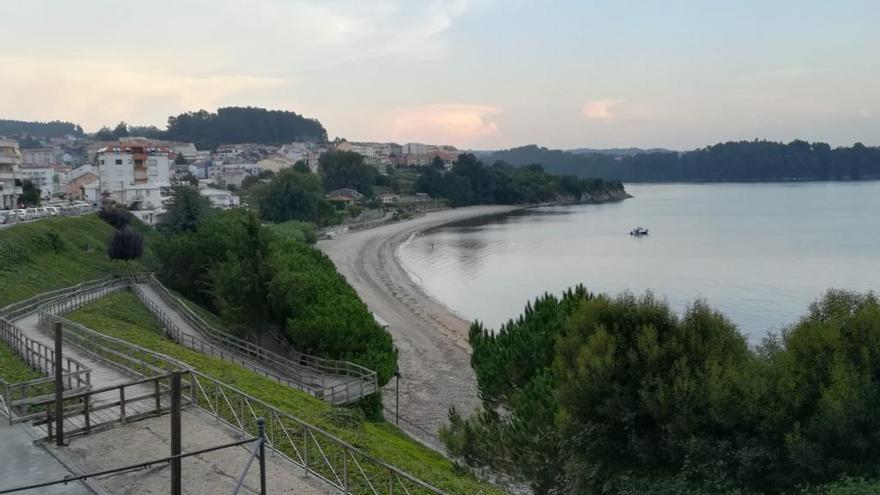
(317, 374)
(316, 451)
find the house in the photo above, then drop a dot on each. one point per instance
(10, 159)
(389, 198)
(220, 198)
(275, 163)
(135, 175)
(50, 179)
(345, 195)
(83, 184)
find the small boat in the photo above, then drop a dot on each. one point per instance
(638, 231)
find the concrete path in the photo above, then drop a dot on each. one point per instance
(214, 472)
(23, 463)
(102, 375)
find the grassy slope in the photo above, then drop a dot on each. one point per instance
(13, 369)
(58, 252)
(121, 315)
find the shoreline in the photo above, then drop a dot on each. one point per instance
(434, 354)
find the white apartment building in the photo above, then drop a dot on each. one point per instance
(305, 152)
(39, 156)
(10, 158)
(134, 175)
(50, 179)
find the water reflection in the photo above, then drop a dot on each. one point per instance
(760, 253)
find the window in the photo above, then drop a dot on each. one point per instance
(118, 161)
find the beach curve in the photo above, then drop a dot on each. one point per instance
(434, 357)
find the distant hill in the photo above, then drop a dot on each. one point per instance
(743, 161)
(242, 125)
(39, 129)
(617, 151)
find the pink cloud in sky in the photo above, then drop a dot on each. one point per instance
(601, 109)
(448, 123)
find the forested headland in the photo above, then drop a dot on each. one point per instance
(471, 182)
(742, 161)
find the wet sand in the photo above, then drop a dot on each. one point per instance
(434, 354)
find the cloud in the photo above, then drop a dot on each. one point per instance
(447, 123)
(99, 93)
(601, 109)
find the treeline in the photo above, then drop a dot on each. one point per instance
(242, 125)
(471, 182)
(590, 394)
(39, 129)
(257, 277)
(229, 125)
(744, 161)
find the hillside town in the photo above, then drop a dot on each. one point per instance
(140, 173)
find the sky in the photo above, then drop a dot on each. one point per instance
(477, 74)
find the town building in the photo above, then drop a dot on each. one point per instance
(50, 179)
(39, 156)
(135, 176)
(389, 198)
(220, 198)
(10, 159)
(83, 184)
(306, 152)
(345, 195)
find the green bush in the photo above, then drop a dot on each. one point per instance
(592, 394)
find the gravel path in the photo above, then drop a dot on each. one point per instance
(434, 353)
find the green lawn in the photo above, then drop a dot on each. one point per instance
(59, 252)
(13, 369)
(122, 315)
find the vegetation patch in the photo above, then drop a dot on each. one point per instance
(122, 316)
(59, 252)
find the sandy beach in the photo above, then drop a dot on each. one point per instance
(432, 341)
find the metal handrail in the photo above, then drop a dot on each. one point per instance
(365, 380)
(318, 452)
(333, 366)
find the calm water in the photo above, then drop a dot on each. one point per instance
(758, 252)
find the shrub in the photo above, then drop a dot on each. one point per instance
(115, 216)
(126, 244)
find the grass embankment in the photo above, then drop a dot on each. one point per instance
(122, 315)
(13, 369)
(59, 252)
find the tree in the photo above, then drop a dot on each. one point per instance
(302, 167)
(119, 218)
(180, 159)
(30, 193)
(290, 195)
(185, 212)
(120, 131)
(126, 244)
(346, 169)
(243, 125)
(438, 163)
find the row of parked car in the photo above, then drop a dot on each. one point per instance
(30, 214)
